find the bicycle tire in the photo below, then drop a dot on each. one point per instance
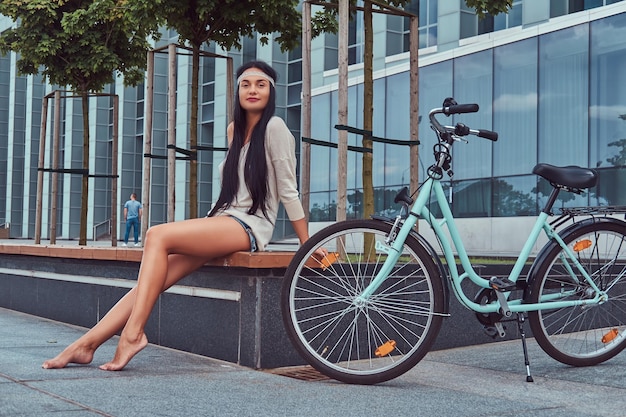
(338, 335)
(589, 334)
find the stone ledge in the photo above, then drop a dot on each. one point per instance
(277, 259)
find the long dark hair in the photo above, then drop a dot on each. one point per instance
(255, 171)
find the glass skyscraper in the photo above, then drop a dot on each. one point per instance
(547, 76)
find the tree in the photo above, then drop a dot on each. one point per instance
(224, 22)
(82, 45)
(492, 7)
(326, 21)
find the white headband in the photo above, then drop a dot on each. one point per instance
(258, 74)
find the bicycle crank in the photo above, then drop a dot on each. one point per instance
(492, 322)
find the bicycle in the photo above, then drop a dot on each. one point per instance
(371, 309)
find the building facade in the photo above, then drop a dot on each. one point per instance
(547, 76)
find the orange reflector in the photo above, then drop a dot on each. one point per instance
(329, 259)
(612, 334)
(386, 348)
(582, 245)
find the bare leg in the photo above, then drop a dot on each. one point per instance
(82, 350)
(204, 238)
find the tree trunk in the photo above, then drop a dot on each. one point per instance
(368, 114)
(193, 134)
(84, 198)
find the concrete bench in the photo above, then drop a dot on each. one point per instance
(229, 309)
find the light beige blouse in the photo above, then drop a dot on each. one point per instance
(282, 187)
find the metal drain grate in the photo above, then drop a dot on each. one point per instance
(304, 373)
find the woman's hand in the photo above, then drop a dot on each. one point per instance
(320, 253)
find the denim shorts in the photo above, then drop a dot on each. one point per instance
(253, 246)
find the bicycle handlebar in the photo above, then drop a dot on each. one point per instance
(460, 108)
(450, 107)
(487, 134)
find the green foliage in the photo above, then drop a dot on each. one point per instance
(81, 44)
(620, 158)
(326, 20)
(226, 21)
(492, 7)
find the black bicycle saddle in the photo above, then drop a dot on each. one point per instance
(569, 176)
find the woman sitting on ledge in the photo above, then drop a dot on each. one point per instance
(259, 172)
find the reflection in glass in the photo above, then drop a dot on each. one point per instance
(435, 84)
(396, 157)
(607, 133)
(321, 209)
(515, 196)
(473, 81)
(565, 199)
(471, 198)
(610, 188)
(563, 101)
(557, 98)
(515, 108)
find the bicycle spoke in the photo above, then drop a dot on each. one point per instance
(370, 338)
(596, 330)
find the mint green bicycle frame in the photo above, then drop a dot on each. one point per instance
(419, 210)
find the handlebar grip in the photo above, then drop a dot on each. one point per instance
(488, 134)
(460, 108)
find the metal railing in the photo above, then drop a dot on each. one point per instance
(102, 229)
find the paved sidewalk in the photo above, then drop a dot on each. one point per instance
(471, 381)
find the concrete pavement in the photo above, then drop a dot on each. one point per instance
(484, 380)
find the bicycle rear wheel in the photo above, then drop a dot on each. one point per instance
(592, 333)
(354, 341)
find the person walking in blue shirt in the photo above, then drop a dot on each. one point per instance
(132, 214)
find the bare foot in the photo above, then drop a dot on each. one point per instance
(126, 350)
(71, 354)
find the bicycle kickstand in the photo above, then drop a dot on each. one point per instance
(520, 325)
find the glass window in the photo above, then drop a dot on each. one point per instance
(515, 108)
(473, 83)
(428, 14)
(607, 132)
(397, 114)
(320, 168)
(563, 102)
(435, 84)
(394, 43)
(321, 207)
(294, 71)
(564, 199)
(511, 19)
(515, 196)
(471, 198)
(558, 7)
(610, 188)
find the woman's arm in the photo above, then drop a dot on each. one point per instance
(301, 228)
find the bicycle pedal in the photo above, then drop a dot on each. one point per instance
(490, 331)
(496, 330)
(502, 284)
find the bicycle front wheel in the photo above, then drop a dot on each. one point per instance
(591, 333)
(361, 340)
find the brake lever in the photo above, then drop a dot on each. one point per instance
(459, 139)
